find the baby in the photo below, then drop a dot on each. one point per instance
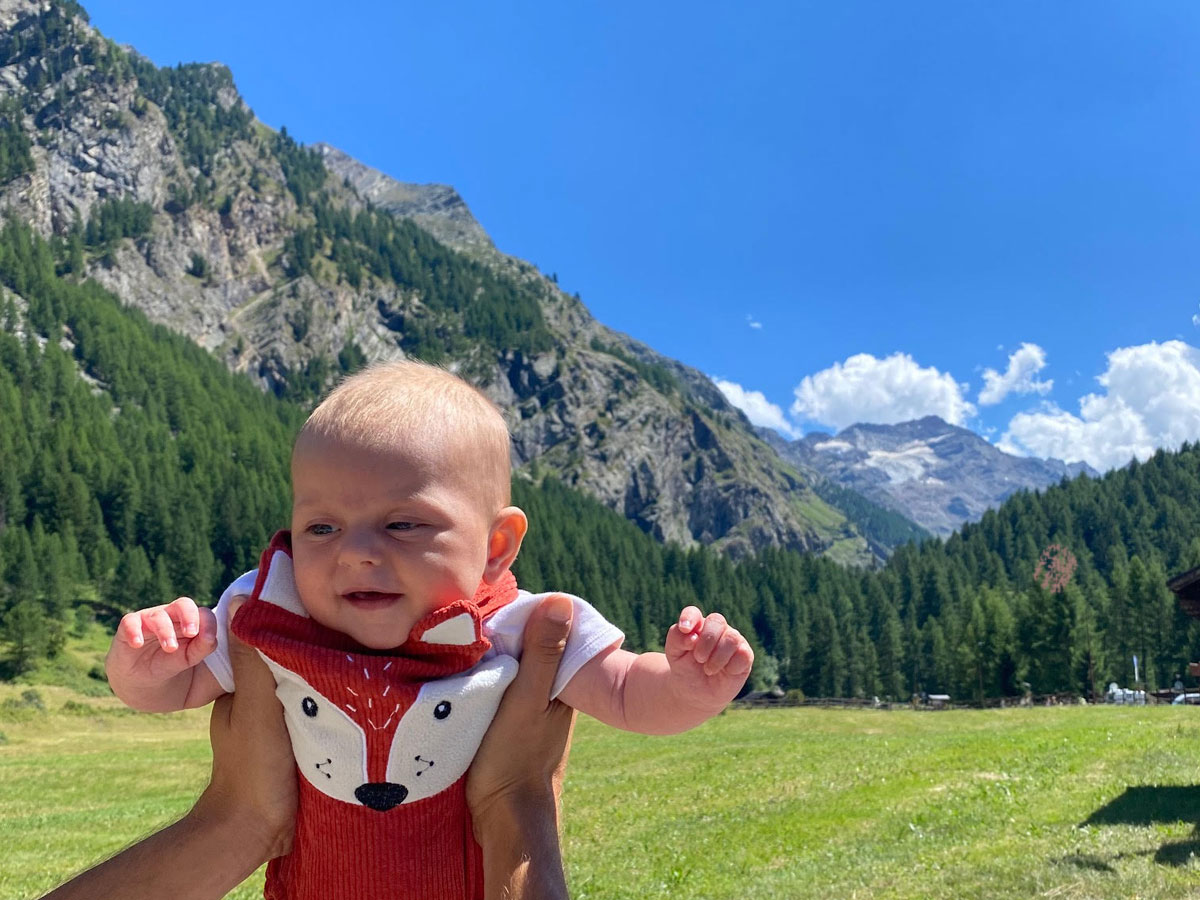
(392, 624)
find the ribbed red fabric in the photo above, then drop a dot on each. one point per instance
(420, 850)
(417, 851)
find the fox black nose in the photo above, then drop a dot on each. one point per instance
(381, 795)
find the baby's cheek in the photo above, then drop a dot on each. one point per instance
(312, 590)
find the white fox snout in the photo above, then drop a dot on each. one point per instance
(427, 744)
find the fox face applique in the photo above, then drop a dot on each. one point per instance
(382, 743)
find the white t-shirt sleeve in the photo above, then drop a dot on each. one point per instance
(218, 661)
(590, 633)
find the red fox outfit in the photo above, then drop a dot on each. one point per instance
(383, 740)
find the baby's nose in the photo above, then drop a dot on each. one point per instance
(357, 548)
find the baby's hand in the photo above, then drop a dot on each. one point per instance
(154, 645)
(709, 660)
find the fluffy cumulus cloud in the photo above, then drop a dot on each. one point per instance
(1019, 378)
(882, 391)
(758, 409)
(1151, 400)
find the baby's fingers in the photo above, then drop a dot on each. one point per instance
(186, 616)
(710, 635)
(205, 640)
(678, 643)
(130, 630)
(157, 623)
(690, 619)
(731, 645)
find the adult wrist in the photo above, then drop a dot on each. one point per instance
(253, 838)
(522, 857)
(519, 803)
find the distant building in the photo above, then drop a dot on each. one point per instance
(1186, 588)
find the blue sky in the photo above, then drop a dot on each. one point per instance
(844, 211)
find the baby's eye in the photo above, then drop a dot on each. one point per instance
(319, 529)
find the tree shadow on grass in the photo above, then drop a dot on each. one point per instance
(1147, 805)
(1150, 805)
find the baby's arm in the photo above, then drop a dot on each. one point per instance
(154, 663)
(705, 665)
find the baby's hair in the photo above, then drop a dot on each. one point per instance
(391, 405)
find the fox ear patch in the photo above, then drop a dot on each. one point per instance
(459, 631)
(280, 584)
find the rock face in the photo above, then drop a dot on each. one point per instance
(936, 474)
(437, 208)
(649, 437)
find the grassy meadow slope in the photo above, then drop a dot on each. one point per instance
(1094, 802)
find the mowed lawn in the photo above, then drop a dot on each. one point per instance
(1093, 802)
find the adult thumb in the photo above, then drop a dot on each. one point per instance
(250, 674)
(544, 643)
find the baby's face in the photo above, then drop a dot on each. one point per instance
(380, 539)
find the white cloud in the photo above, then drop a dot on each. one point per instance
(752, 322)
(1023, 365)
(882, 391)
(758, 408)
(1152, 400)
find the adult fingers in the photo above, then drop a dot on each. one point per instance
(253, 767)
(544, 643)
(250, 673)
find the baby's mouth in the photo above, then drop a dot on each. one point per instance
(371, 599)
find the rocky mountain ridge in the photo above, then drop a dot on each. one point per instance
(277, 259)
(936, 474)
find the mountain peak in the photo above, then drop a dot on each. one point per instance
(159, 184)
(926, 426)
(438, 208)
(937, 474)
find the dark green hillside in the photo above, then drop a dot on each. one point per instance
(133, 467)
(132, 464)
(965, 616)
(465, 304)
(875, 522)
(163, 186)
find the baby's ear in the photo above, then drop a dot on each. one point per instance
(504, 540)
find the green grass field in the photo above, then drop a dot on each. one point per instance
(1090, 802)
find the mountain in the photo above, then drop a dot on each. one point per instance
(438, 208)
(294, 264)
(134, 465)
(936, 474)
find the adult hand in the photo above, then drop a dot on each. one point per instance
(514, 783)
(254, 772)
(244, 817)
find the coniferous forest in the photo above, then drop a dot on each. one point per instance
(134, 467)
